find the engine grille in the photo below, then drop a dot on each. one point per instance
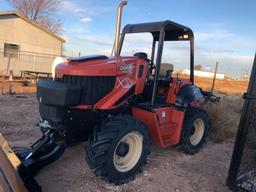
(94, 88)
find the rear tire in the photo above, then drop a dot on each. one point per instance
(195, 131)
(118, 150)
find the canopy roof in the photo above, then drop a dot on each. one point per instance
(173, 31)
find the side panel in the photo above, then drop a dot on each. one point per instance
(149, 119)
(130, 80)
(170, 124)
(122, 87)
(175, 87)
(164, 124)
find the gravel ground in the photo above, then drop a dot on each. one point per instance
(167, 169)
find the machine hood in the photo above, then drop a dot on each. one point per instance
(99, 65)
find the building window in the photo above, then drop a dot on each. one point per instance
(11, 50)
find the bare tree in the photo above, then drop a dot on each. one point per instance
(41, 12)
(198, 67)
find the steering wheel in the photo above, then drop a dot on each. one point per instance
(151, 66)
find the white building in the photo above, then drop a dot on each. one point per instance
(25, 46)
(207, 74)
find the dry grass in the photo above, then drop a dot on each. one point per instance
(224, 86)
(224, 117)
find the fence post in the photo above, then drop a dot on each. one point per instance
(8, 65)
(34, 62)
(215, 74)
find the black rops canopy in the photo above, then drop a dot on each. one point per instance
(173, 31)
(162, 31)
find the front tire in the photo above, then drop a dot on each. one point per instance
(119, 149)
(195, 131)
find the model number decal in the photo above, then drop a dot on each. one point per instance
(127, 67)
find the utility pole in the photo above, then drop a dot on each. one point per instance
(215, 74)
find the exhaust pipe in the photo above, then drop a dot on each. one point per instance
(118, 26)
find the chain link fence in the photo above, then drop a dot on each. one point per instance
(246, 176)
(242, 172)
(25, 61)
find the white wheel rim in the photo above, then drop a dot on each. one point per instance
(127, 162)
(198, 134)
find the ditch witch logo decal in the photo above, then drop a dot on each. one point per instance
(127, 67)
(124, 83)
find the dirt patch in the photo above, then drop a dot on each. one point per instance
(167, 169)
(224, 86)
(18, 119)
(16, 87)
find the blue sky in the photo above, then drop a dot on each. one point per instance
(225, 30)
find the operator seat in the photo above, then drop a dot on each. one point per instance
(142, 55)
(165, 81)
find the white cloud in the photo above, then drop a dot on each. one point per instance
(70, 7)
(243, 42)
(86, 8)
(77, 29)
(138, 39)
(204, 36)
(98, 41)
(86, 20)
(232, 50)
